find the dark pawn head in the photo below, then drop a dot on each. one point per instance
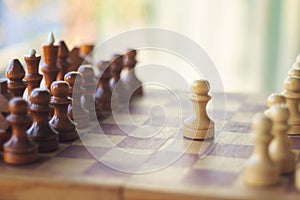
(18, 105)
(40, 96)
(60, 89)
(131, 53)
(73, 76)
(87, 72)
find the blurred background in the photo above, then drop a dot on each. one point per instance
(253, 43)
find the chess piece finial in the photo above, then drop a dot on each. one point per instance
(279, 148)
(103, 93)
(75, 110)
(199, 125)
(260, 170)
(20, 149)
(88, 100)
(60, 121)
(63, 60)
(50, 69)
(15, 73)
(33, 78)
(41, 132)
(51, 38)
(294, 72)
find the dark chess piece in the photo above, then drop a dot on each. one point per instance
(88, 99)
(116, 85)
(75, 110)
(5, 97)
(41, 132)
(15, 73)
(131, 82)
(63, 60)
(103, 93)
(50, 69)
(60, 121)
(20, 149)
(76, 59)
(33, 78)
(86, 51)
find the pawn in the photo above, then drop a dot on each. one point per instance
(15, 73)
(88, 99)
(279, 149)
(103, 93)
(41, 132)
(63, 60)
(60, 121)
(260, 170)
(20, 149)
(76, 59)
(294, 72)
(274, 99)
(131, 82)
(33, 78)
(292, 95)
(75, 110)
(199, 125)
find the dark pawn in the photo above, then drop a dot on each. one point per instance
(41, 132)
(88, 99)
(15, 73)
(5, 97)
(60, 120)
(75, 81)
(33, 78)
(20, 149)
(63, 60)
(76, 59)
(103, 93)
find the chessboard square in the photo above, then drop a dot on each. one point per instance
(295, 142)
(113, 129)
(244, 117)
(119, 118)
(235, 138)
(65, 166)
(235, 126)
(207, 177)
(80, 151)
(219, 163)
(101, 169)
(25, 168)
(99, 140)
(231, 150)
(141, 143)
(231, 106)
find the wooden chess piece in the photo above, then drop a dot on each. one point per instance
(103, 93)
(260, 170)
(279, 148)
(33, 78)
(50, 69)
(199, 125)
(294, 72)
(15, 73)
(116, 85)
(274, 99)
(131, 82)
(63, 60)
(292, 96)
(76, 59)
(86, 51)
(75, 110)
(60, 121)
(5, 97)
(41, 132)
(88, 99)
(20, 149)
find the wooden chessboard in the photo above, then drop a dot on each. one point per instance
(204, 169)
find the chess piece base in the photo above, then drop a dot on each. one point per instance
(46, 146)
(68, 135)
(262, 177)
(294, 130)
(21, 158)
(198, 134)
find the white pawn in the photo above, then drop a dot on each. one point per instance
(274, 99)
(292, 96)
(199, 125)
(279, 148)
(294, 72)
(260, 170)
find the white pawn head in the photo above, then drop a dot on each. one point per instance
(292, 84)
(200, 87)
(262, 126)
(279, 113)
(294, 72)
(275, 98)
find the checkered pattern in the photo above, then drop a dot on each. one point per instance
(209, 168)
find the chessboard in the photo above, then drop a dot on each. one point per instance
(94, 166)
